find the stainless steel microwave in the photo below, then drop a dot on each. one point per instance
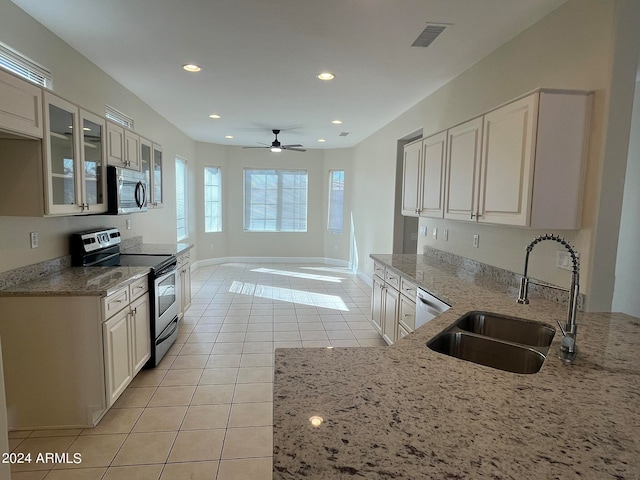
(127, 191)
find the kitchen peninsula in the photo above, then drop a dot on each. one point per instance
(407, 412)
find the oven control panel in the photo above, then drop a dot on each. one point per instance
(98, 239)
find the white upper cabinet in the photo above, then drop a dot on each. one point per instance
(411, 170)
(20, 106)
(434, 150)
(123, 147)
(463, 170)
(521, 164)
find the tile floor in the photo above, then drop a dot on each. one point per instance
(206, 411)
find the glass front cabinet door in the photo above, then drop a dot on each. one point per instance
(156, 175)
(74, 159)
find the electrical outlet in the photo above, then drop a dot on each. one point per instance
(33, 237)
(476, 241)
(445, 233)
(563, 260)
(423, 231)
(128, 223)
(434, 233)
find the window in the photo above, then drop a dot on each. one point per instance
(212, 200)
(336, 201)
(275, 200)
(118, 117)
(20, 65)
(181, 198)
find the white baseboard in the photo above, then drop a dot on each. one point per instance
(220, 260)
(365, 278)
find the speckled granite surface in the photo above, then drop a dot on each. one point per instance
(78, 281)
(407, 412)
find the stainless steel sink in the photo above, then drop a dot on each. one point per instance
(498, 341)
(510, 329)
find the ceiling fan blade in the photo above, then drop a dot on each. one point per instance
(293, 149)
(268, 146)
(292, 145)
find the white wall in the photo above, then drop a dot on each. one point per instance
(626, 298)
(570, 48)
(81, 82)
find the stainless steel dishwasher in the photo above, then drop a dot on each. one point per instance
(428, 307)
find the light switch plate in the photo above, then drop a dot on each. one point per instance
(476, 241)
(33, 237)
(434, 233)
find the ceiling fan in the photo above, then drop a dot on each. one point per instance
(276, 146)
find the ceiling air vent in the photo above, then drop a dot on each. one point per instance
(429, 34)
(344, 134)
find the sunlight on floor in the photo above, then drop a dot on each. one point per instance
(308, 276)
(290, 295)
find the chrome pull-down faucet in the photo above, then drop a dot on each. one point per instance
(568, 349)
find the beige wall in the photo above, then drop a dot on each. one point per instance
(572, 49)
(81, 82)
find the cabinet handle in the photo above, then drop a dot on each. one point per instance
(408, 315)
(473, 215)
(134, 311)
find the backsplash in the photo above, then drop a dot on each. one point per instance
(31, 272)
(500, 275)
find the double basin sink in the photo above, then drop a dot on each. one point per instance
(506, 343)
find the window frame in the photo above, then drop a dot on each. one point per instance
(15, 62)
(330, 210)
(183, 161)
(219, 199)
(279, 200)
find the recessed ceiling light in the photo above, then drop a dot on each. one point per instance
(213, 115)
(190, 67)
(326, 76)
(321, 140)
(228, 136)
(336, 122)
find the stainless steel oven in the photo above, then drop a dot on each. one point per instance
(101, 248)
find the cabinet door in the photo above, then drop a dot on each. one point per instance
(117, 355)
(146, 149)
(463, 170)
(140, 333)
(185, 286)
(434, 151)
(115, 145)
(131, 150)
(94, 154)
(411, 178)
(390, 319)
(62, 153)
(156, 177)
(507, 163)
(407, 314)
(377, 303)
(20, 106)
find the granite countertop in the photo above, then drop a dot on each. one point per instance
(158, 249)
(78, 281)
(407, 412)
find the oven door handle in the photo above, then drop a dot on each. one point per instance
(175, 327)
(166, 270)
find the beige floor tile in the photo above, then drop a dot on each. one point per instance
(96, 450)
(285, 326)
(135, 472)
(39, 475)
(251, 414)
(172, 396)
(255, 374)
(228, 360)
(134, 397)
(286, 336)
(77, 474)
(34, 446)
(233, 328)
(257, 360)
(20, 433)
(64, 432)
(315, 343)
(145, 448)
(347, 343)
(183, 362)
(202, 348)
(248, 442)
(197, 445)
(14, 443)
(259, 327)
(372, 342)
(340, 335)
(230, 337)
(116, 420)
(200, 417)
(253, 392)
(206, 337)
(307, 335)
(257, 347)
(148, 378)
(213, 394)
(244, 469)
(264, 336)
(166, 362)
(225, 348)
(297, 344)
(365, 326)
(311, 327)
(219, 376)
(360, 334)
(160, 419)
(182, 377)
(191, 471)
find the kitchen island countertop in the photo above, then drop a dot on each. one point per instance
(407, 412)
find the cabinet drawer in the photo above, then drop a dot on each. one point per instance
(402, 332)
(392, 278)
(378, 270)
(115, 302)
(408, 288)
(138, 287)
(407, 314)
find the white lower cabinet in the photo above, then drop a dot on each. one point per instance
(127, 341)
(184, 295)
